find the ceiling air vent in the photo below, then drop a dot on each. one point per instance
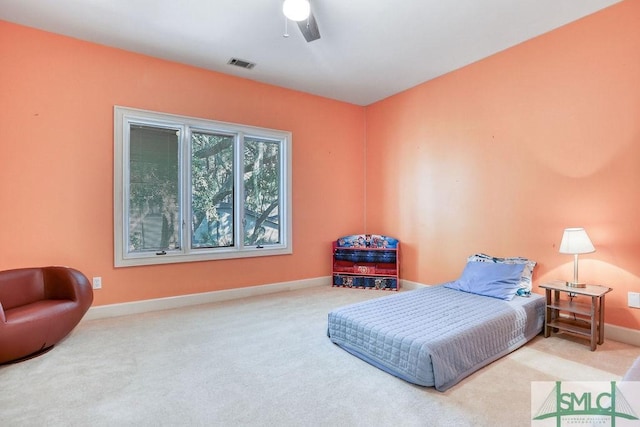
(241, 63)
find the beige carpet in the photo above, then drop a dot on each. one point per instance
(266, 361)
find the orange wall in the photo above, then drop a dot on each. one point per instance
(500, 156)
(56, 161)
(496, 157)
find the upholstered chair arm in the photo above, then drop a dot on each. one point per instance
(67, 283)
(3, 318)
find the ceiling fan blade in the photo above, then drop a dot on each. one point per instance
(309, 28)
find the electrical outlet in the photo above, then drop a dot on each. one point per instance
(97, 283)
(634, 299)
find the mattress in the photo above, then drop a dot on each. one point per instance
(435, 336)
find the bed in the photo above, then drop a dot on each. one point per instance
(438, 335)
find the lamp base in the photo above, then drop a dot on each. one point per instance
(576, 285)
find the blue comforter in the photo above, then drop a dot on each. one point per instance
(435, 336)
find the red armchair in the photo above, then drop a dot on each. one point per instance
(39, 307)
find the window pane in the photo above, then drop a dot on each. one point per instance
(261, 191)
(223, 187)
(212, 190)
(153, 189)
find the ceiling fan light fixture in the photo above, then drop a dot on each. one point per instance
(296, 10)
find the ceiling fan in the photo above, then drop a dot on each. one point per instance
(300, 11)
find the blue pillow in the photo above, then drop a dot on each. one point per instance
(527, 271)
(489, 279)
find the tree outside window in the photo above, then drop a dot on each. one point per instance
(190, 189)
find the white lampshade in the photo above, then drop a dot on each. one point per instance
(296, 10)
(575, 241)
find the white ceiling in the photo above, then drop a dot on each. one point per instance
(369, 50)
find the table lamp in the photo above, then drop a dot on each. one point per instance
(575, 241)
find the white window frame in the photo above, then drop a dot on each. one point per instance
(124, 116)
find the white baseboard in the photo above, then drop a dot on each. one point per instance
(612, 332)
(408, 285)
(136, 307)
(622, 334)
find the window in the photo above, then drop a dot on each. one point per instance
(190, 189)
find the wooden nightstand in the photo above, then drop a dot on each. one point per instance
(582, 319)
